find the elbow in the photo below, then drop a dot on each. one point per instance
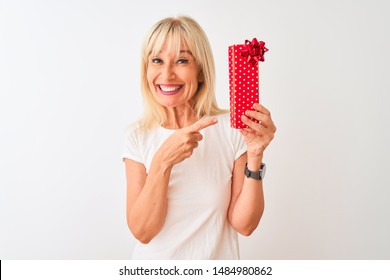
(247, 231)
(144, 239)
(246, 228)
(141, 234)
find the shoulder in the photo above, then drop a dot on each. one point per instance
(146, 137)
(224, 125)
(133, 128)
(225, 137)
(223, 128)
(136, 133)
(132, 131)
(136, 129)
(224, 118)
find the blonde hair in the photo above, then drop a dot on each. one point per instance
(170, 33)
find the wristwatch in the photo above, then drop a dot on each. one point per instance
(259, 175)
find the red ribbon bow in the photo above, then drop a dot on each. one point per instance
(254, 51)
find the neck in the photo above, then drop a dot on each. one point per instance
(179, 117)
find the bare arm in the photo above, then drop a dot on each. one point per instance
(146, 198)
(247, 200)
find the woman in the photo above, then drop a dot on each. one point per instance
(187, 193)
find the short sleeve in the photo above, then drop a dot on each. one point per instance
(236, 139)
(238, 142)
(132, 148)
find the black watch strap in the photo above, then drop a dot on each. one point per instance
(257, 175)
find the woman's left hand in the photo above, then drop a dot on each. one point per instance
(257, 135)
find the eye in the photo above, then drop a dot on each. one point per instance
(182, 61)
(156, 60)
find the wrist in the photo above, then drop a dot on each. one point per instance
(257, 175)
(254, 163)
(162, 162)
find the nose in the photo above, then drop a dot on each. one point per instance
(168, 71)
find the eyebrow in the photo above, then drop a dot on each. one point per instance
(181, 51)
(186, 51)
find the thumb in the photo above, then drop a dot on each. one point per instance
(201, 124)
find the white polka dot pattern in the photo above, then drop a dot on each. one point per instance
(243, 85)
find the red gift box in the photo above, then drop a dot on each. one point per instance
(244, 78)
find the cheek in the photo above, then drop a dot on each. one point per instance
(151, 73)
(150, 76)
(195, 81)
(190, 76)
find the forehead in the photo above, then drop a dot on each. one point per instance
(173, 45)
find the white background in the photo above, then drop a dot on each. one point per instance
(69, 86)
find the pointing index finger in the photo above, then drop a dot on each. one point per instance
(201, 124)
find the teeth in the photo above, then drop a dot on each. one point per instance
(168, 89)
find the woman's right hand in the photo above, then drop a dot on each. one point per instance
(181, 144)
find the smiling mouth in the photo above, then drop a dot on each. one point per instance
(169, 89)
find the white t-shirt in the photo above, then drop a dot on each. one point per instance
(196, 225)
